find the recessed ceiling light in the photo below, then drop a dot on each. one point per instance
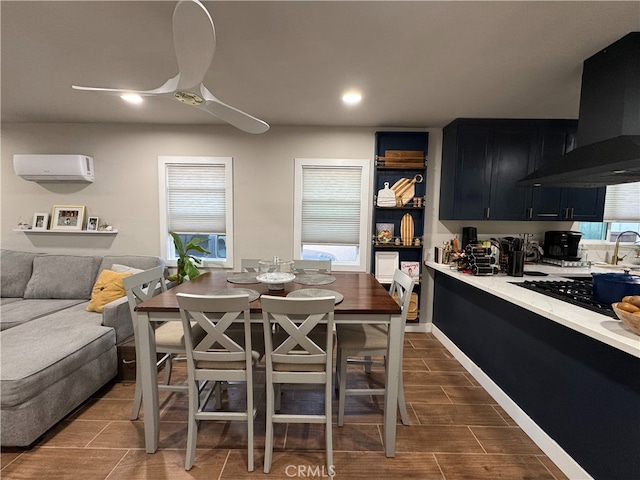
(131, 98)
(618, 172)
(351, 98)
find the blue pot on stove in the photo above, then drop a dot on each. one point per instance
(611, 287)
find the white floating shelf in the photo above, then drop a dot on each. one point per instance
(69, 232)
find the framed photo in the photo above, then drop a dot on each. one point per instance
(411, 268)
(67, 217)
(384, 232)
(92, 224)
(40, 221)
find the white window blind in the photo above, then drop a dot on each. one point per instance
(331, 205)
(196, 198)
(622, 203)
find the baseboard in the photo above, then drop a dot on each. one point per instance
(416, 327)
(549, 446)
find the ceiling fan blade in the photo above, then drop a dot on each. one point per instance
(168, 87)
(231, 115)
(194, 39)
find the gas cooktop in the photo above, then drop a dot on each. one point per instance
(576, 292)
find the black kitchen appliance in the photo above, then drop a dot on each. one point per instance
(469, 236)
(562, 244)
(578, 292)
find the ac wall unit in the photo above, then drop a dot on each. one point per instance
(54, 168)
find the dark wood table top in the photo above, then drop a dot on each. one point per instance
(363, 294)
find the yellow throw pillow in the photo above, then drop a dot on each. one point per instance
(108, 287)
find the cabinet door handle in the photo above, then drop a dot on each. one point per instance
(488, 214)
(530, 213)
(566, 213)
(571, 217)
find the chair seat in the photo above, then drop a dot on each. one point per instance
(239, 365)
(362, 337)
(171, 335)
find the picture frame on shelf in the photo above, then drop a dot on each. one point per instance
(93, 224)
(384, 232)
(411, 268)
(40, 221)
(67, 217)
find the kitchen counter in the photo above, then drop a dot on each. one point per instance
(600, 327)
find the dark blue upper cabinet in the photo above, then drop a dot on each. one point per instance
(482, 160)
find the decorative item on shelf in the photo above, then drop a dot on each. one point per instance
(187, 263)
(92, 224)
(40, 221)
(23, 226)
(411, 268)
(67, 217)
(105, 227)
(417, 202)
(404, 189)
(403, 158)
(416, 242)
(386, 197)
(397, 241)
(384, 232)
(406, 229)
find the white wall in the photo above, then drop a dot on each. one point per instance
(125, 192)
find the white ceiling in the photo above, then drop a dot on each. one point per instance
(417, 63)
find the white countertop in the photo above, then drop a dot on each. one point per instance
(600, 327)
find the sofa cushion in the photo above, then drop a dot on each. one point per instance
(108, 287)
(62, 276)
(142, 262)
(15, 272)
(116, 267)
(40, 353)
(21, 311)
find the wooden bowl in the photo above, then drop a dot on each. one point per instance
(629, 319)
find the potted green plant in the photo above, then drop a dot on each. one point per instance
(187, 263)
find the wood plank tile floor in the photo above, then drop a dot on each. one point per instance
(457, 431)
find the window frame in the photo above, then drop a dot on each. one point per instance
(365, 207)
(166, 243)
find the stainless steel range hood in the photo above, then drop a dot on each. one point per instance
(608, 151)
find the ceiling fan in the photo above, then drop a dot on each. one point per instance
(194, 39)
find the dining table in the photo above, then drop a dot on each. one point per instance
(364, 300)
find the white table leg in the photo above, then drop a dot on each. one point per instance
(149, 379)
(392, 385)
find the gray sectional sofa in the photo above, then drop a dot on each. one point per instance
(53, 353)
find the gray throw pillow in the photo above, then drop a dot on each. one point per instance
(15, 272)
(62, 276)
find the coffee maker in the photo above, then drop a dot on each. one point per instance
(469, 236)
(562, 245)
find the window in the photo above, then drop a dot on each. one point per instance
(621, 213)
(196, 201)
(330, 211)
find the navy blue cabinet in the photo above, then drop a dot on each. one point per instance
(483, 159)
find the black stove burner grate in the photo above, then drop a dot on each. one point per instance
(576, 292)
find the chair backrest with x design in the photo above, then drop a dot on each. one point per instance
(142, 286)
(402, 286)
(300, 344)
(215, 314)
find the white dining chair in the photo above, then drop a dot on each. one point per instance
(169, 336)
(300, 352)
(221, 356)
(312, 266)
(370, 340)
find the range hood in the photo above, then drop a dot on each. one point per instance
(608, 151)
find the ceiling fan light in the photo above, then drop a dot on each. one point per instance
(352, 98)
(132, 98)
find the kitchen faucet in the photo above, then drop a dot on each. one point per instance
(615, 259)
